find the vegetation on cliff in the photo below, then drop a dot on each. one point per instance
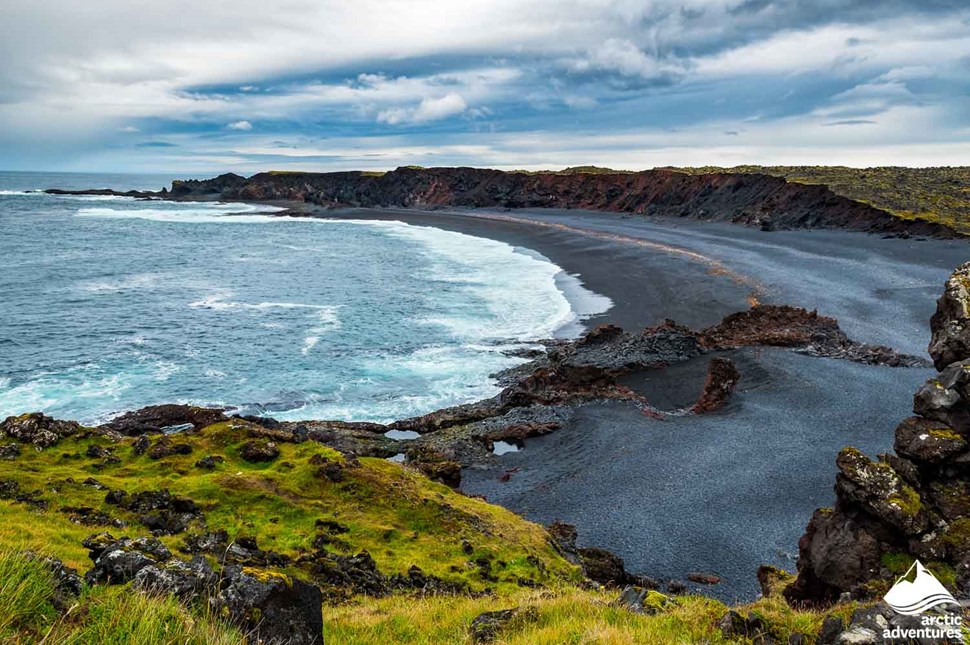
(940, 195)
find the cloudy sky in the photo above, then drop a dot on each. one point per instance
(197, 86)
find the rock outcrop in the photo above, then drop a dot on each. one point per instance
(765, 201)
(912, 504)
(768, 202)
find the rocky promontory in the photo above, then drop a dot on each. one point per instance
(764, 201)
(913, 503)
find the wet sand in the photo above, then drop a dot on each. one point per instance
(726, 492)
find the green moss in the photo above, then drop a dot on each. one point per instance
(907, 499)
(958, 533)
(897, 563)
(945, 433)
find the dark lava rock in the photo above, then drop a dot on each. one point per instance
(927, 441)
(177, 577)
(67, 582)
(271, 607)
(118, 563)
(9, 451)
(950, 325)
(599, 565)
(209, 462)
(563, 538)
(259, 450)
(214, 543)
(704, 578)
(38, 429)
(642, 601)
(914, 504)
(434, 464)
(487, 626)
(160, 511)
(327, 468)
(165, 447)
(946, 398)
(156, 418)
(141, 445)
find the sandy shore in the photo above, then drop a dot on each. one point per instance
(725, 492)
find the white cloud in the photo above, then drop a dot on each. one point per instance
(240, 125)
(430, 109)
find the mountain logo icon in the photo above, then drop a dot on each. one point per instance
(923, 593)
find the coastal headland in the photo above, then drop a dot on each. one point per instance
(691, 431)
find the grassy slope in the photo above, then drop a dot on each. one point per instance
(396, 514)
(933, 194)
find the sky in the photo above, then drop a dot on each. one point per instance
(204, 86)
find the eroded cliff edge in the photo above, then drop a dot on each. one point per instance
(751, 199)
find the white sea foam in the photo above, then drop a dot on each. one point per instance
(188, 212)
(309, 343)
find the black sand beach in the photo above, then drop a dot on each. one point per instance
(726, 492)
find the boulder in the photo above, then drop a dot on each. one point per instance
(259, 450)
(927, 441)
(270, 607)
(487, 626)
(880, 491)
(177, 577)
(950, 325)
(38, 429)
(120, 561)
(946, 398)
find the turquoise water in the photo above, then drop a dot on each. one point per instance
(110, 304)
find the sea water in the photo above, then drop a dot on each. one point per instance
(109, 304)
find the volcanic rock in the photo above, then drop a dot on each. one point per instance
(950, 324)
(38, 429)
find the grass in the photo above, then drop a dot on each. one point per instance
(395, 513)
(101, 616)
(940, 195)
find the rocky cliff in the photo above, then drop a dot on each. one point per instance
(751, 199)
(912, 504)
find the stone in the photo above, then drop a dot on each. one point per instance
(858, 636)
(722, 377)
(270, 607)
(946, 398)
(157, 418)
(879, 490)
(259, 450)
(209, 462)
(177, 577)
(38, 429)
(487, 626)
(9, 451)
(832, 627)
(950, 325)
(166, 447)
(927, 441)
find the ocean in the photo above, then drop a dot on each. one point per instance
(110, 304)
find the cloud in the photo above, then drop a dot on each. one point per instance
(74, 86)
(430, 109)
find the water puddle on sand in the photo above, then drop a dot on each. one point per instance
(503, 447)
(401, 435)
(398, 458)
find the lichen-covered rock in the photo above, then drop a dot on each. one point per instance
(880, 490)
(643, 601)
(120, 561)
(38, 429)
(946, 398)
(9, 451)
(487, 626)
(927, 441)
(177, 577)
(950, 324)
(271, 607)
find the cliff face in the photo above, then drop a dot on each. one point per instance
(914, 503)
(756, 200)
